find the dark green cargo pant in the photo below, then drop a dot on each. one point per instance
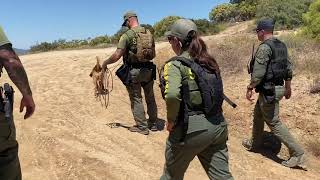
(210, 147)
(269, 113)
(142, 78)
(9, 160)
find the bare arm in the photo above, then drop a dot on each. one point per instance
(113, 58)
(15, 69)
(288, 91)
(18, 75)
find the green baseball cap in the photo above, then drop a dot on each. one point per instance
(128, 15)
(181, 28)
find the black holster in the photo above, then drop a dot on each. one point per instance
(268, 91)
(6, 100)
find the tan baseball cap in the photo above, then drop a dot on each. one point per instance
(128, 15)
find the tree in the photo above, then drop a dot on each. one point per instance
(311, 21)
(162, 26)
(223, 13)
(99, 40)
(115, 38)
(287, 14)
(205, 27)
(238, 10)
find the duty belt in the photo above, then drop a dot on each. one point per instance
(141, 65)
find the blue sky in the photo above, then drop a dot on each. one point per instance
(27, 22)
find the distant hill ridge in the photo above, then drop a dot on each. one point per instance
(21, 51)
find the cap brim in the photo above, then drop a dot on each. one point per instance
(124, 23)
(168, 33)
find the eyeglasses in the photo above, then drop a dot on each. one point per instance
(258, 30)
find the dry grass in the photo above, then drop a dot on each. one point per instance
(233, 53)
(304, 53)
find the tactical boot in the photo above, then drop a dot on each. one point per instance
(152, 127)
(246, 143)
(295, 161)
(139, 129)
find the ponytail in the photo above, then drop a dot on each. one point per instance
(198, 51)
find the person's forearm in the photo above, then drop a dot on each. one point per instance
(287, 84)
(18, 76)
(15, 70)
(113, 58)
(110, 60)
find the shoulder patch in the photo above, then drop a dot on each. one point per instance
(263, 54)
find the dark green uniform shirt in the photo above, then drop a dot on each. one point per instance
(173, 78)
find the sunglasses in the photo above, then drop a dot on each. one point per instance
(258, 30)
(170, 38)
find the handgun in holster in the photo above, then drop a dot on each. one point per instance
(6, 98)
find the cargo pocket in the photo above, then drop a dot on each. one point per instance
(135, 75)
(279, 92)
(5, 131)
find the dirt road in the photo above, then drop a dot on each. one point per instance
(67, 138)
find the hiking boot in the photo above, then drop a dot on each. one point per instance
(140, 130)
(153, 127)
(295, 161)
(246, 143)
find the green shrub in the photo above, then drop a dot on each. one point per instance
(161, 27)
(304, 53)
(238, 10)
(223, 13)
(312, 21)
(206, 27)
(287, 14)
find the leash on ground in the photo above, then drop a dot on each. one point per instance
(117, 125)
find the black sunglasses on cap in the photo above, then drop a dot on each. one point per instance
(258, 30)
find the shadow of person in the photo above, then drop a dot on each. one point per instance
(270, 155)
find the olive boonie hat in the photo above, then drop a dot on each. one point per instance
(265, 24)
(181, 28)
(128, 15)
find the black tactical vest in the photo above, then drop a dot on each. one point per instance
(277, 65)
(208, 84)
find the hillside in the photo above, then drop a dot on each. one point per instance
(21, 51)
(67, 138)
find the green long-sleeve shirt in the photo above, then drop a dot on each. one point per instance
(173, 80)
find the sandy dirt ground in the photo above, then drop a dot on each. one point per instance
(67, 138)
